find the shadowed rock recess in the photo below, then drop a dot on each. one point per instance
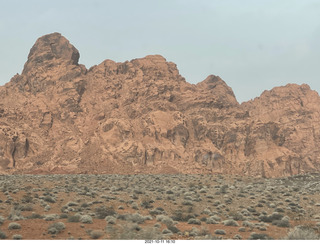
(141, 116)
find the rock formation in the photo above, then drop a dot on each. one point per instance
(141, 116)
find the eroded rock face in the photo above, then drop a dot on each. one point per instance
(141, 116)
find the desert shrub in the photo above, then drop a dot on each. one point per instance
(237, 237)
(135, 206)
(220, 232)
(180, 216)
(223, 189)
(86, 219)
(259, 236)
(187, 203)
(276, 216)
(166, 231)
(173, 229)
(74, 218)
(230, 222)
(14, 226)
(270, 218)
(27, 198)
(110, 220)
(242, 229)
(96, 234)
(251, 209)
(51, 217)
(149, 234)
(15, 214)
(284, 222)
(27, 207)
(262, 228)
(279, 210)
(2, 235)
(85, 205)
(157, 211)
(302, 233)
(247, 224)
(203, 219)
(47, 208)
(216, 203)
(103, 211)
(204, 231)
(165, 219)
(228, 200)
(157, 225)
(63, 216)
(2, 219)
(194, 221)
(206, 211)
(215, 216)
(56, 228)
(160, 209)
(49, 199)
(122, 216)
(134, 232)
(138, 218)
(17, 237)
(212, 220)
(36, 216)
(194, 231)
(64, 209)
(236, 216)
(72, 204)
(138, 191)
(265, 218)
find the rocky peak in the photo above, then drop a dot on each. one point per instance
(51, 59)
(157, 67)
(218, 89)
(284, 102)
(51, 49)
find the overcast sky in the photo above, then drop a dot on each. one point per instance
(253, 45)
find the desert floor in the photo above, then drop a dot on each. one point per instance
(153, 207)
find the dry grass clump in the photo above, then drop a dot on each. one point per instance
(302, 233)
(2, 219)
(220, 232)
(86, 219)
(74, 218)
(56, 228)
(104, 211)
(96, 234)
(2, 235)
(230, 222)
(194, 221)
(14, 226)
(259, 236)
(17, 237)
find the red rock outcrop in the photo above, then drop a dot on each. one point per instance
(141, 116)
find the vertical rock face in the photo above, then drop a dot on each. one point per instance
(141, 116)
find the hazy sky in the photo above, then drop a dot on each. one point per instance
(253, 45)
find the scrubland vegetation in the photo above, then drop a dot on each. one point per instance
(159, 207)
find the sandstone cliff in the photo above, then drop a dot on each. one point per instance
(141, 116)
